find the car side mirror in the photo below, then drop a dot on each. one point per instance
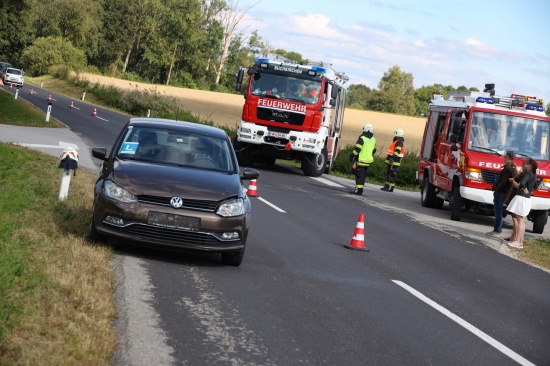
(100, 153)
(249, 174)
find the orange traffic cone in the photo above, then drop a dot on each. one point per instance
(72, 104)
(94, 114)
(358, 240)
(252, 190)
(32, 92)
(49, 98)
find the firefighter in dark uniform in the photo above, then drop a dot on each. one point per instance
(393, 160)
(363, 154)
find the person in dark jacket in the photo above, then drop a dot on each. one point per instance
(363, 154)
(520, 205)
(395, 153)
(501, 187)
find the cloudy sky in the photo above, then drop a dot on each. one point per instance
(449, 42)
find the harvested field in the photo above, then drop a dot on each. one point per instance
(225, 110)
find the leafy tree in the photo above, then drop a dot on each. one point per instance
(358, 96)
(16, 30)
(78, 21)
(397, 87)
(47, 52)
(548, 110)
(423, 96)
(380, 101)
(290, 55)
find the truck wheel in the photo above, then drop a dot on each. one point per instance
(313, 165)
(456, 204)
(539, 221)
(438, 203)
(427, 195)
(241, 150)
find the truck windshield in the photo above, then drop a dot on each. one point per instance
(281, 86)
(502, 132)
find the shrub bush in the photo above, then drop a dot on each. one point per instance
(406, 174)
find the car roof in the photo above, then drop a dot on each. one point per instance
(182, 126)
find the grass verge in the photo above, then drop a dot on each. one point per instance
(56, 290)
(21, 113)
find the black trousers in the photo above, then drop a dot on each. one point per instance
(391, 175)
(361, 176)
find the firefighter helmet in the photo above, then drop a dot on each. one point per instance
(399, 132)
(368, 128)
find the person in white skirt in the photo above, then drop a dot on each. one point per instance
(520, 205)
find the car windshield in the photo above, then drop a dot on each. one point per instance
(14, 71)
(177, 148)
(502, 132)
(286, 87)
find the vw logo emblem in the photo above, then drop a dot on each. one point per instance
(176, 202)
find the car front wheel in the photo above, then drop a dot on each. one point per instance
(233, 258)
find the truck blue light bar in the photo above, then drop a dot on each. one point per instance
(319, 69)
(485, 100)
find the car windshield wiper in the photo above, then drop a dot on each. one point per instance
(487, 149)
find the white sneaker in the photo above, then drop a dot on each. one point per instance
(515, 244)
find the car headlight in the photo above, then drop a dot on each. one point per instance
(231, 208)
(115, 192)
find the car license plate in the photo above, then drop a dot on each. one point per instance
(173, 221)
(277, 134)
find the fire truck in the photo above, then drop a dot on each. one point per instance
(292, 111)
(465, 138)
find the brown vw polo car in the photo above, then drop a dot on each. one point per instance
(174, 185)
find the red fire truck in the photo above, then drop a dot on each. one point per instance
(292, 111)
(465, 138)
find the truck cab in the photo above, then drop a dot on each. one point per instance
(465, 138)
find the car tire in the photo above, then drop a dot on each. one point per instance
(233, 258)
(93, 235)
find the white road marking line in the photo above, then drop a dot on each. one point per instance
(493, 342)
(103, 119)
(62, 145)
(271, 204)
(75, 108)
(328, 182)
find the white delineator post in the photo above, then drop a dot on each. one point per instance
(83, 95)
(16, 93)
(48, 112)
(69, 163)
(65, 183)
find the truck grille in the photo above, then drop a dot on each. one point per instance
(268, 114)
(489, 176)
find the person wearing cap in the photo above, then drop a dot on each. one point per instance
(395, 153)
(363, 156)
(500, 189)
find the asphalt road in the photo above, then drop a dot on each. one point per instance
(428, 291)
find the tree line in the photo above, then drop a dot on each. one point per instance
(185, 43)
